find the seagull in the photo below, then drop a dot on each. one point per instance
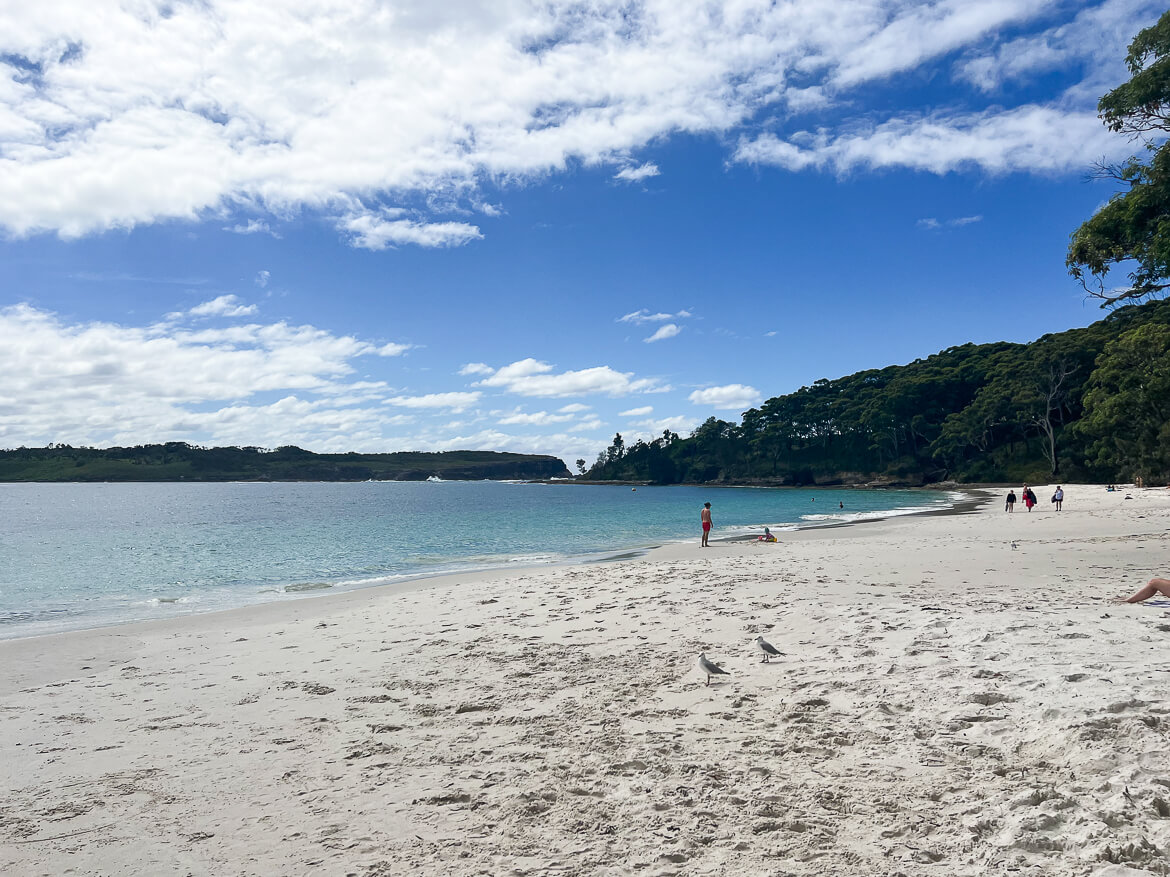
(769, 650)
(710, 669)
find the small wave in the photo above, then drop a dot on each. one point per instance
(167, 601)
(876, 515)
(307, 586)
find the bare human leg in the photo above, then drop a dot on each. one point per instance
(1154, 586)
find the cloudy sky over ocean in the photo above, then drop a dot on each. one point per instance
(524, 226)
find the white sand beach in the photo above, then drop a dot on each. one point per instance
(945, 703)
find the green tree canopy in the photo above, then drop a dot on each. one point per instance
(1134, 226)
(1127, 403)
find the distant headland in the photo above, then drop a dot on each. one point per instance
(179, 461)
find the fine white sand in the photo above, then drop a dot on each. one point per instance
(945, 704)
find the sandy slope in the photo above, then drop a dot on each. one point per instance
(945, 704)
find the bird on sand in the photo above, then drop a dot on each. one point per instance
(769, 650)
(710, 668)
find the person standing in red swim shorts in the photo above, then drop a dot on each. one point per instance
(705, 517)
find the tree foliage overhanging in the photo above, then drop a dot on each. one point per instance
(1134, 226)
(1086, 404)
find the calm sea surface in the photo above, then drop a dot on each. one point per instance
(86, 555)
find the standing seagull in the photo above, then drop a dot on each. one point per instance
(769, 650)
(710, 669)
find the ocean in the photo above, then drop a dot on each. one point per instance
(78, 556)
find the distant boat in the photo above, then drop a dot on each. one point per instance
(434, 478)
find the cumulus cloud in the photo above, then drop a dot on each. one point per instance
(359, 112)
(448, 401)
(669, 330)
(653, 428)
(102, 383)
(637, 174)
(530, 377)
(370, 231)
(589, 424)
(535, 418)
(727, 397)
(222, 306)
(476, 368)
(568, 446)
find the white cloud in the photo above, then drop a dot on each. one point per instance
(637, 412)
(667, 331)
(572, 408)
(644, 316)
(728, 397)
(476, 368)
(933, 224)
(392, 349)
(589, 424)
(350, 111)
(1097, 37)
(252, 226)
(102, 383)
(262, 278)
(1031, 138)
(653, 428)
(637, 174)
(222, 306)
(372, 232)
(448, 401)
(530, 377)
(536, 418)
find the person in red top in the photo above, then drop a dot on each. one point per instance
(1029, 497)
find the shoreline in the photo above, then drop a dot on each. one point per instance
(944, 699)
(410, 581)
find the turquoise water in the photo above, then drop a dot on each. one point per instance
(85, 555)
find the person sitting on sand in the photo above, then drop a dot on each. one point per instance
(1154, 586)
(767, 537)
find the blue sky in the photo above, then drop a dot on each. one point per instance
(524, 226)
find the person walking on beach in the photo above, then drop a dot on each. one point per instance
(1058, 497)
(1010, 503)
(705, 517)
(1154, 586)
(1029, 497)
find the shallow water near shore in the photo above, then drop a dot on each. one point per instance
(84, 555)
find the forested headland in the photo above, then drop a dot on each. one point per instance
(179, 461)
(1086, 404)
